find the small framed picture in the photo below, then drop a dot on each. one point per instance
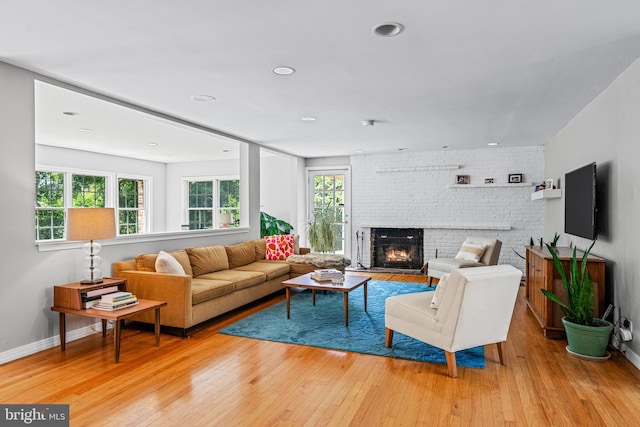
(488, 180)
(462, 179)
(515, 178)
(548, 184)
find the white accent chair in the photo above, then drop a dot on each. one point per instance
(475, 306)
(436, 267)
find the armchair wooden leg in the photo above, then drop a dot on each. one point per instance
(452, 369)
(388, 337)
(430, 281)
(501, 353)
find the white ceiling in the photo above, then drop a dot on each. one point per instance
(463, 73)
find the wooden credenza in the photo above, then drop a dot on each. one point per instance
(541, 274)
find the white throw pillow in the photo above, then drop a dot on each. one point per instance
(439, 292)
(165, 263)
(471, 251)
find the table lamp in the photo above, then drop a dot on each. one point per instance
(91, 224)
(225, 219)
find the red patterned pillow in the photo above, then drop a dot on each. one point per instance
(279, 247)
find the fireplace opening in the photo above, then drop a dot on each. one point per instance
(400, 248)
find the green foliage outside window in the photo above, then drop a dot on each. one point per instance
(131, 206)
(88, 191)
(49, 221)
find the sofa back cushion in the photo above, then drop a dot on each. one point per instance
(207, 259)
(241, 254)
(261, 249)
(183, 258)
(146, 262)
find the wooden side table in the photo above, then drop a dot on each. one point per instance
(67, 299)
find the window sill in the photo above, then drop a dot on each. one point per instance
(46, 246)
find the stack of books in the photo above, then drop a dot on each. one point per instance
(92, 297)
(326, 275)
(116, 301)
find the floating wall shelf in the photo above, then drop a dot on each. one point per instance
(419, 168)
(546, 194)
(520, 184)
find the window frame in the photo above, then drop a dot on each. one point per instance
(147, 200)
(216, 208)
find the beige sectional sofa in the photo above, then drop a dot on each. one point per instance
(217, 279)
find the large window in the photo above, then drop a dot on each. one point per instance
(212, 203)
(58, 190)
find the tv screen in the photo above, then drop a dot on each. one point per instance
(580, 202)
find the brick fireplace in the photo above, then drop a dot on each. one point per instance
(397, 248)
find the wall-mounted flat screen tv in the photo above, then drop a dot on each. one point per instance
(580, 202)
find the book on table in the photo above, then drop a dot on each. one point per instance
(115, 301)
(326, 274)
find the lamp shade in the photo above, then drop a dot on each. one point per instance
(91, 223)
(225, 218)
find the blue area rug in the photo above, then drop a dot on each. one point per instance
(323, 325)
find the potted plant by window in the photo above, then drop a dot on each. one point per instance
(321, 230)
(586, 335)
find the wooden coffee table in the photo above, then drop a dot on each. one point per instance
(306, 282)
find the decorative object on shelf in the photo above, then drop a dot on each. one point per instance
(531, 242)
(271, 226)
(586, 335)
(91, 224)
(321, 230)
(488, 180)
(515, 178)
(463, 179)
(548, 184)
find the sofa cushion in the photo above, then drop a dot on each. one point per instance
(241, 254)
(183, 258)
(165, 263)
(261, 249)
(146, 262)
(272, 269)
(203, 290)
(207, 259)
(279, 247)
(240, 279)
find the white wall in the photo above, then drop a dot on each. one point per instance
(390, 190)
(26, 289)
(607, 132)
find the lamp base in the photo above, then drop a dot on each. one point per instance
(91, 282)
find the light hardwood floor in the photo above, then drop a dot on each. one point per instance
(211, 379)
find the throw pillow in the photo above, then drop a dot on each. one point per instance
(279, 247)
(166, 263)
(439, 292)
(471, 251)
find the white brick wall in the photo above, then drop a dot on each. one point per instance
(387, 193)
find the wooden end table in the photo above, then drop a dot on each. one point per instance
(67, 300)
(306, 282)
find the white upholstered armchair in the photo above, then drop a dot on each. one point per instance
(474, 252)
(470, 307)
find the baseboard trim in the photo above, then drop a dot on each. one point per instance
(47, 343)
(630, 355)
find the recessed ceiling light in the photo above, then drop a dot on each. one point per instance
(70, 113)
(85, 130)
(368, 122)
(284, 70)
(402, 149)
(309, 118)
(153, 144)
(203, 98)
(493, 144)
(359, 151)
(389, 29)
(226, 150)
(445, 146)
